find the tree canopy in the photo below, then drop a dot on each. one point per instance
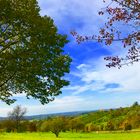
(127, 13)
(32, 60)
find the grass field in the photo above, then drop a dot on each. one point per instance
(70, 136)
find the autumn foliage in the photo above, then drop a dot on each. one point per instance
(126, 13)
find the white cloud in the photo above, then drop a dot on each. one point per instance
(87, 11)
(4, 111)
(61, 104)
(96, 78)
(82, 103)
(76, 103)
(81, 66)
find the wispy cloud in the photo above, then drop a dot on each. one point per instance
(102, 79)
(86, 13)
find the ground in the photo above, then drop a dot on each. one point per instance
(71, 136)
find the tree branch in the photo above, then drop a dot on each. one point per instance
(11, 77)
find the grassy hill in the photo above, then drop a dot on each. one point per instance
(113, 118)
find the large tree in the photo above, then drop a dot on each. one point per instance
(32, 60)
(127, 14)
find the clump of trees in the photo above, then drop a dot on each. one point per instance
(123, 119)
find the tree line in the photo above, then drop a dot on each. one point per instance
(103, 120)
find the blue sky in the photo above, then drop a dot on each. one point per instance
(93, 86)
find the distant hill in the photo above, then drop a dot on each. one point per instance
(44, 116)
(2, 118)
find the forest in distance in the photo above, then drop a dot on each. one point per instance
(120, 119)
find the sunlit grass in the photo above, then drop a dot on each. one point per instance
(70, 136)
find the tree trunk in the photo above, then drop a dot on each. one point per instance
(57, 134)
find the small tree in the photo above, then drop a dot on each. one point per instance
(76, 124)
(71, 124)
(110, 126)
(79, 126)
(32, 127)
(8, 126)
(45, 126)
(56, 125)
(17, 115)
(90, 127)
(135, 104)
(127, 126)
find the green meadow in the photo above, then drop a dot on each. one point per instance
(70, 136)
